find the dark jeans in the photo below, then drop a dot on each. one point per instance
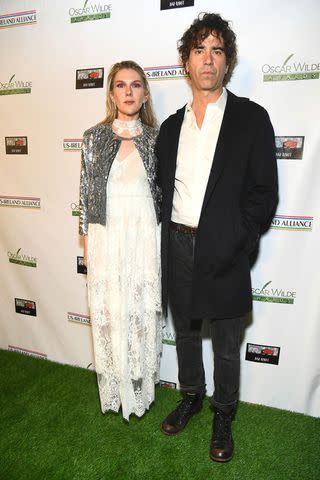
(226, 333)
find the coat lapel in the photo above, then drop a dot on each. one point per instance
(224, 145)
(173, 146)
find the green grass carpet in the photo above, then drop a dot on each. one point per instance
(52, 429)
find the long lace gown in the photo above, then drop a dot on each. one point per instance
(124, 291)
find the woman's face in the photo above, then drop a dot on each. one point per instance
(128, 94)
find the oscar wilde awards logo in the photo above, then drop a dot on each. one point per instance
(79, 318)
(22, 202)
(15, 87)
(289, 148)
(296, 223)
(89, 78)
(18, 19)
(75, 209)
(25, 307)
(90, 11)
(167, 4)
(72, 144)
(169, 72)
(273, 295)
(262, 353)
(23, 259)
(168, 334)
(25, 351)
(16, 145)
(291, 70)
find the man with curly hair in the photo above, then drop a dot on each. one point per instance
(217, 171)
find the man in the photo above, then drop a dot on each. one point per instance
(217, 170)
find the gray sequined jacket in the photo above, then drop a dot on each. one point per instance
(99, 148)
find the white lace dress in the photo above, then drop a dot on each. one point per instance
(124, 291)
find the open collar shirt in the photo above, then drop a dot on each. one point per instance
(194, 160)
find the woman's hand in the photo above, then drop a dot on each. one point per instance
(85, 243)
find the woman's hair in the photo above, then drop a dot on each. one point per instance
(204, 25)
(147, 115)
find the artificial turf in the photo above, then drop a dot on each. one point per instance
(52, 429)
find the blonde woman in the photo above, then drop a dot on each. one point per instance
(119, 218)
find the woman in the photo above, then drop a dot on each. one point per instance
(119, 218)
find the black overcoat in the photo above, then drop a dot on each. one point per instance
(239, 201)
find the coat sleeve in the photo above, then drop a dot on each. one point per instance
(84, 187)
(261, 196)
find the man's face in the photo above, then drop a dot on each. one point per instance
(206, 64)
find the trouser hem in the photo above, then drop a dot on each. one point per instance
(199, 389)
(224, 407)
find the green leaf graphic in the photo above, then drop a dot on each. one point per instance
(287, 60)
(12, 78)
(268, 283)
(18, 251)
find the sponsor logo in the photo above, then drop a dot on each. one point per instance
(72, 144)
(262, 353)
(22, 259)
(289, 148)
(75, 209)
(29, 353)
(166, 384)
(290, 70)
(26, 307)
(24, 202)
(18, 19)
(292, 222)
(89, 78)
(14, 87)
(273, 295)
(169, 72)
(16, 145)
(79, 318)
(81, 268)
(168, 335)
(90, 11)
(166, 4)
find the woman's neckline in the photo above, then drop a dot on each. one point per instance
(127, 129)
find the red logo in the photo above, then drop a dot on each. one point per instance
(290, 144)
(94, 75)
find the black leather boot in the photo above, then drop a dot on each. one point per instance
(221, 449)
(176, 421)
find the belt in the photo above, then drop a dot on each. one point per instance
(179, 227)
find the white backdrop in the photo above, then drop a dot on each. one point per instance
(43, 299)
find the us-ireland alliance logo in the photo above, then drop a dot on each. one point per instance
(18, 19)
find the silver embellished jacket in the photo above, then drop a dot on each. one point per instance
(99, 148)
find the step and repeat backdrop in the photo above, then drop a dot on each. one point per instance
(54, 60)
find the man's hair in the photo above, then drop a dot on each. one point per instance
(200, 29)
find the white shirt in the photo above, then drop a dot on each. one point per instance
(194, 161)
